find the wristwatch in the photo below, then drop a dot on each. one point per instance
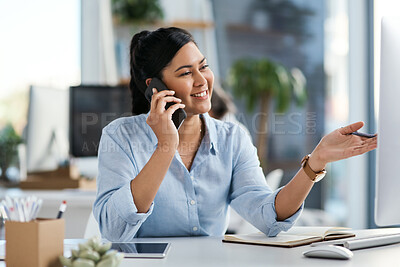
(314, 176)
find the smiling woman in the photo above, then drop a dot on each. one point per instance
(157, 180)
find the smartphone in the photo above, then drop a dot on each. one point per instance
(179, 115)
(142, 250)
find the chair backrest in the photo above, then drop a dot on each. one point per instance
(274, 178)
(92, 228)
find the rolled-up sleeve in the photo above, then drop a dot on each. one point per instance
(250, 195)
(114, 208)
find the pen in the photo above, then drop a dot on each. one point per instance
(37, 207)
(19, 211)
(363, 134)
(61, 210)
(13, 216)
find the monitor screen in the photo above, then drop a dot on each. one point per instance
(47, 129)
(388, 152)
(92, 108)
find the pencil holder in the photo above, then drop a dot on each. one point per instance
(37, 243)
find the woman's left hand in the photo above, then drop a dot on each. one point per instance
(341, 144)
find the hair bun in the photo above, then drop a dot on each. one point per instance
(137, 38)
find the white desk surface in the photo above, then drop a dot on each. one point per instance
(211, 251)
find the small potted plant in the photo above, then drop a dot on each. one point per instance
(9, 141)
(93, 253)
(261, 81)
(137, 12)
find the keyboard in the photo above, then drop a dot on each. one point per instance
(363, 242)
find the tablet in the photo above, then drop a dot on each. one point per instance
(142, 250)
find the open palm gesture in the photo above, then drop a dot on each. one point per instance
(341, 144)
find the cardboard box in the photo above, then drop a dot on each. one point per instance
(35, 244)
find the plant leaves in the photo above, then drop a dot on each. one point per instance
(249, 78)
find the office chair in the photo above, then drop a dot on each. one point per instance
(92, 228)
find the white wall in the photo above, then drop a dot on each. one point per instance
(98, 60)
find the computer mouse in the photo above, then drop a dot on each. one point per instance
(329, 252)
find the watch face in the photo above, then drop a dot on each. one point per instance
(319, 177)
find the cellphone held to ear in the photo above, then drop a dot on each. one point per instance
(179, 115)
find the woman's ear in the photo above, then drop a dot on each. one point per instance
(148, 81)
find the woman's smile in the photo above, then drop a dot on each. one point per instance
(202, 95)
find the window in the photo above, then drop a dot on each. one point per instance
(40, 46)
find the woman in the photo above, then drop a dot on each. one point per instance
(155, 180)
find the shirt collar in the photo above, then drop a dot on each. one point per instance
(211, 132)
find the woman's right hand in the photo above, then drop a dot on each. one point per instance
(160, 119)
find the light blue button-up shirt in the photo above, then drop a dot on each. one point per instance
(225, 171)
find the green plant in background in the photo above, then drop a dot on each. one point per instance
(9, 140)
(93, 254)
(137, 11)
(261, 81)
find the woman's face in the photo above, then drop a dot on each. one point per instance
(190, 77)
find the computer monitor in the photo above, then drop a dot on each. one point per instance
(91, 108)
(387, 201)
(47, 129)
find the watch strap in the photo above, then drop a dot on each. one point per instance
(310, 172)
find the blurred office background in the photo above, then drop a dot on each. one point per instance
(335, 43)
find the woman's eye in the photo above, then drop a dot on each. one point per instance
(204, 67)
(185, 73)
(189, 72)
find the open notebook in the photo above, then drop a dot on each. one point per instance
(296, 236)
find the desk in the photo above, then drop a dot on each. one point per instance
(211, 251)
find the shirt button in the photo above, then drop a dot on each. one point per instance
(192, 202)
(191, 177)
(195, 228)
